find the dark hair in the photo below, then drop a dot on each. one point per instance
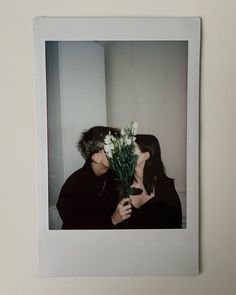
(154, 168)
(92, 140)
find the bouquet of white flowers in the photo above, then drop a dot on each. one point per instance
(122, 159)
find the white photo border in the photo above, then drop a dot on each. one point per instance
(118, 252)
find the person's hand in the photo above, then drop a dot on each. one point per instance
(122, 212)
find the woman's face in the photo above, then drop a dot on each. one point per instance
(142, 157)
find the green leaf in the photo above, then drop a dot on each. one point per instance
(135, 191)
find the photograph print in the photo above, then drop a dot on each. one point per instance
(117, 144)
(117, 134)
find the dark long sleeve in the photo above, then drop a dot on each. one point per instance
(86, 201)
(162, 211)
(170, 207)
(79, 212)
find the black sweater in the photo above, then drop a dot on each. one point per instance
(87, 201)
(161, 211)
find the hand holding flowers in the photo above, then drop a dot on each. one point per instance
(122, 212)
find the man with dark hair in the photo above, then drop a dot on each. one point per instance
(92, 140)
(88, 199)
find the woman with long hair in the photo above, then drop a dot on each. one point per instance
(158, 206)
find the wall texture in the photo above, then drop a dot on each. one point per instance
(18, 256)
(147, 82)
(72, 69)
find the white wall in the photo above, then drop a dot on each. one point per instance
(55, 148)
(18, 255)
(147, 83)
(83, 100)
(76, 101)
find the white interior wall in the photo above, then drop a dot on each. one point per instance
(77, 103)
(83, 98)
(146, 82)
(55, 151)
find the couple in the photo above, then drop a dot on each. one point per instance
(89, 197)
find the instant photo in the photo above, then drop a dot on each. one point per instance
(117, 108)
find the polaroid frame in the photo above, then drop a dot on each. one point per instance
(118, 252)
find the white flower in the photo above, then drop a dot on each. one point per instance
(128, 140)
(122, 132)
(135, 125)
(107, 148)
(112, 147)
(108, 153)
(121, 141)
(134, 128)
(107, 139)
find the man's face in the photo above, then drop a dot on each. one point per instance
(103, 159)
